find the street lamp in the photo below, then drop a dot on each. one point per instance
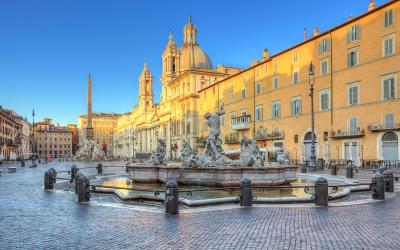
(33, 137)
(311, 82)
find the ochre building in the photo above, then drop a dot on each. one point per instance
(356, 96)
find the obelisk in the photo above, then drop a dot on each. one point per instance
(89, 127)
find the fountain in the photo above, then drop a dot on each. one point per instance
(214, 168)
(90, 151)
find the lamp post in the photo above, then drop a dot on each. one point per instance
(33, 137)
(311, 82)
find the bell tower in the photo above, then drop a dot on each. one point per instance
(189, 33)
(170, 61)
(145, 88)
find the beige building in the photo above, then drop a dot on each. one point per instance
(51, 140)
(186, 70)
(10, 135)
(103, 127)
(356, 96)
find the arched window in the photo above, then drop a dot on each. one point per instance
(389, 137)
(307, 137)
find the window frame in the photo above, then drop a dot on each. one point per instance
(293, 101)
(383, 79)
(350, 86)
(324, 60)
(259, 88)
(258, 117)
(273, 82)
(294, 81)
(276, 104)
(357, 58)
(328, 93)
(386, 38)
(386, 15)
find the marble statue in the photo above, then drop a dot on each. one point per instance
(250, 154)
(158, 157)
(90, 151)
(282, 156)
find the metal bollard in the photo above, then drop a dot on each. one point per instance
(349, 171)
(49, 179)
(99, 168)
(22, 163)
(378, 186)
(77, 177)
(171, 198)
(83, 189)
(334, 168)
(246, 194)
(46, 160)
(389, 181)
(74, 170)
(321, 192)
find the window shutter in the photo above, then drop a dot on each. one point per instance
(386, 84)
(392, 88)
(328, 44)
(358, 32)
(349, 36)
(320, 47)
(349, 59)
(292, 107)
(387, 13)
(299, 107)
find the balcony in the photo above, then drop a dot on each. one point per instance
(276, 135)
(383, 127)
(241, 122)
(343, 134)
(232, 139)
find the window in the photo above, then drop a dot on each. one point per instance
(388, 18)
(353, 94)
(275, 82)
(353, 125)
(243, 93)
(232, 115)
(388, 45)
(296, 76)
(258, 88)
(352, 57)
(389, 120)
(324, 101)
(222, 120)
(324, 45)
(354, 33)
(259, 113)
(296, 106)
(275, 64)
(324, 67)
(295, 56)
(276, 110)
(389, 87)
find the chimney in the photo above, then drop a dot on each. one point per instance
(371, 5)
(305, 34)
(316, 31)
(265, 54)
(350, 16)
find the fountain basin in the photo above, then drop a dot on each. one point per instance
(213, 177)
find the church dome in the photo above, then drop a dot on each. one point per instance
(192, 56)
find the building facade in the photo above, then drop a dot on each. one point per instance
(51, 140)
(186, 70)
(75, 137)
(103, 126)
(10, 135)
(356, 96)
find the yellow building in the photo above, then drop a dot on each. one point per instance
(356, 96)
(186, 70)
(103, 127)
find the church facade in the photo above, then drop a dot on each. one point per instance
(186, 70)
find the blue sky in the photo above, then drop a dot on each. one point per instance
(48, 48)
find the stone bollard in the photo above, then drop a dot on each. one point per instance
(127, 167)
(22, 163)
(99, 168)
(321, 192)
(46, 160)
(378, 186)
(49, 179)
(382, 169)
(389, 181)
(349, 171)
(246, 194)
(303, 168)
(83, 189)
(171, 198)
(74, 170)
(334, 168)
(54, 174)
(77, 177)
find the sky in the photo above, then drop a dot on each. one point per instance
(48, 47)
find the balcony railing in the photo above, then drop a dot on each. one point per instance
(277, 135)
(383, 127)
(241, 122)
(343, 134)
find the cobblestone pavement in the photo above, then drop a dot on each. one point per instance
(33, 219)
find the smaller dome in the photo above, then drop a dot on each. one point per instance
(194, 57)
